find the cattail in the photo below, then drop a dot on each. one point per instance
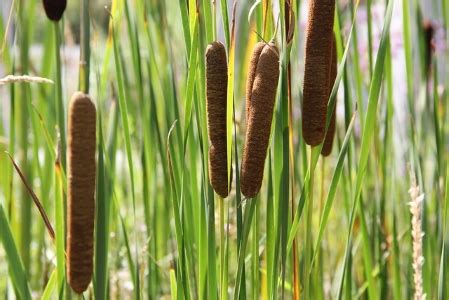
(54, 9)
(81, 190)
(216, 86)
(260, 114)
(317, 66)
(252, 74)
(329, 139)
(429, 32)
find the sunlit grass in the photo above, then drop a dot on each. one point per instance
(320, 228)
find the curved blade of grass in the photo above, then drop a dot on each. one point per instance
(49, 288)
(36, 200)
(367, 136)
(333, 187)
(60, 229)
(230, 96)
(16, 271)
(188, 104)
(442, 272)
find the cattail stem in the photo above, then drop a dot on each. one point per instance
(60, 111)
(308, 244)
(85, 47)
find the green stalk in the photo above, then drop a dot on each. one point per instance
(24, 114)
(308, 240)
(84, 47)
(60, 111)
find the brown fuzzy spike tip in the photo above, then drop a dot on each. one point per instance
(260, 114)
(329, 139)
(54, 9)
(216, 94)
(317, 66)
(81, 190)
(429, 32)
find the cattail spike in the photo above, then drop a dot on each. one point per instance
(329, 139)
(216, 93)
(317, 66)
(252, 73)
(81, 190)
(260, 114)
(55, 9)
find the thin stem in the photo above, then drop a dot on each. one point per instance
(84, 48)
(308, 243)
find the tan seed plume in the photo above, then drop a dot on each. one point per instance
(317, 66)
(216, 93)
(261, 101)
(81, 190)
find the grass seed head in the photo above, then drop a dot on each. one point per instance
(216, 93)
(329, 139)
(260, 114)
(81, 190)
(54, 9)
(317, 66)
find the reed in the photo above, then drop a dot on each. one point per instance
(260, 114)
(54, 9)
(317, 66)
(216, 94)
(81, 190)
(329, 139)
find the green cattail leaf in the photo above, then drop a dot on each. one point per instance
(188, 104)
(230, 101)
(368, 131)
(333, 187)
(49, 288)
(16, 271)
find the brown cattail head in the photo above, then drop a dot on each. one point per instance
(329, 139)
(252, 74)
(317, 66)
(81, 190)
(429, 32)
(260, 114)
(54, 9)
(216, 93)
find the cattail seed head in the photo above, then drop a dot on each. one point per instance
(54, 9)
(252, 73)
(329, 139)
(429, 32)
(81, 190)
(261, 101)
(216, 93)
(317, 66)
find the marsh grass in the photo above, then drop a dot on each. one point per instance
(161, 231)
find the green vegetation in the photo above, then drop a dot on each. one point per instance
(339, 227)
